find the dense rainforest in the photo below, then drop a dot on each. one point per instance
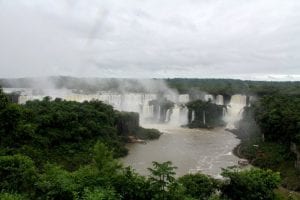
(270, 132)
(66, 150)
(228, 87)
(64, 131)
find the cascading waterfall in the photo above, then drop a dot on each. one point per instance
(219, 100)
(184, 115)
(183, 98)
(209, 97)
(139, 102)
(193, 115)
(224, 112)
(235, 110)
(175, 119)
(168, 115)
(147, 111)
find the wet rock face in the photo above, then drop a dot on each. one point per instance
(127, 123)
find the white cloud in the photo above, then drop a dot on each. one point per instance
(150, 38)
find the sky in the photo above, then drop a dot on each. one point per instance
(245, 39)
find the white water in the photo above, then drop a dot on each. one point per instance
(235, 110)
(209, 97)
(132, 102)
(220, 100)
(180, 115)
(139, 102)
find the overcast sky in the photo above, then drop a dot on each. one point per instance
(248, 39)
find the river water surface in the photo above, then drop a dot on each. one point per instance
(191, 150)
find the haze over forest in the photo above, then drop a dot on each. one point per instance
(256, 40)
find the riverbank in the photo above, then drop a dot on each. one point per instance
(269, 155)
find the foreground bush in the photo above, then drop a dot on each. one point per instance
(252, 184)
(198, 186)
(17, 174)
(9, 196)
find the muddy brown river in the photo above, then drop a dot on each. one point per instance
(191, 150)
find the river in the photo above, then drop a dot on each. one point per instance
(190, 150)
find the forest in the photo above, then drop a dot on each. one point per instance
(55, 149)
(228, 87)
(270, 131)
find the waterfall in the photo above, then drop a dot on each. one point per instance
(209, 97)
(139, 102)
(220, 100)
(147, 112)
(132, 102)
(158, 114)
(184, 116)
(179, 115)
(193, 116)
(224, 112)
(168, 115)
(175, 117)
(183, 98)
(235, 110)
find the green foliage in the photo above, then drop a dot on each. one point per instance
(250, 184)
(213, 86)
(148, 134)
(128, 125)
(279, 118)
(3, 100)
(62, 131)
(17, 174)
(74, 146)
(13, 126)
(56, 183)
(99, 194)
(88, 176)
(232, 86)
(270, 154)
(9, 196)
(132, 186)
(104, 160)
(266, 142)
(198, 186)
(162, 176)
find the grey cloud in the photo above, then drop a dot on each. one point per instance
(171, 38)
